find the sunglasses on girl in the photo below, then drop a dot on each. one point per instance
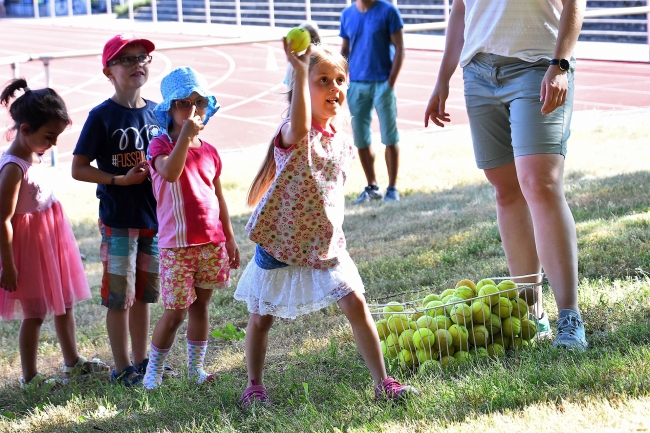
(186, 104)
(131, 60)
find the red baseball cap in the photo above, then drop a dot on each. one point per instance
(117, 42)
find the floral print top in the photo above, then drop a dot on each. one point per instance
(299, 220)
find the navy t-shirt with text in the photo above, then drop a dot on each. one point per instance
(117, 137)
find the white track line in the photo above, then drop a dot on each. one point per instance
(252, 98)
(229, 72)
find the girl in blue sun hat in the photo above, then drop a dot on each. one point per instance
(196, 240)
(179, 84)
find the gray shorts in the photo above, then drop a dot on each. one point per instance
(505, 118)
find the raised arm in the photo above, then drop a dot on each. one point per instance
(555, 84)
(170, 167)
(300, 104)
(453, 47)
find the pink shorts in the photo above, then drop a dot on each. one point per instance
(182, 269)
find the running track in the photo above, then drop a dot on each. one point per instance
(247, 80)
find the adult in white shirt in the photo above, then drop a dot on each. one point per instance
(518, 70)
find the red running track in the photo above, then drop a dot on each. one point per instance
(247, 80)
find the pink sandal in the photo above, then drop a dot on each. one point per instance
(253, 394)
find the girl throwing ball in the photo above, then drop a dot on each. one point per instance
(301, 264)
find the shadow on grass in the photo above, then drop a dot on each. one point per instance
(327, 388)
(427, 239)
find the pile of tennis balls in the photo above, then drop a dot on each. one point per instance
(468, 322)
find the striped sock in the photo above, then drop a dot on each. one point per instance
(195, 356)
(153, 376)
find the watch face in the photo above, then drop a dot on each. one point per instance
(564, 64)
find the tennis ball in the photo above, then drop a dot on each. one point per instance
(496, 350)
(444, 338)
(451, 303)
(519, 308)
(435, 308)
(392, 346)
(459, 336)
(503, 308)
(425, 322)
(416, 316)
(448, 361)
(494, 325)
(424, 355)
(462, 314)
(423, 338)
(382, 329)
(467, 283)
(405, 340)
(480, 312)
(384, 349)
(479, 335)
(484, 282)
(429, 298)
(429, 366)
(511, 327)
(447, 293)
(519, 343)
(392, 307)
(406, 359)
(502, 341)
(462, 357)
(397, 323)
(479, 353)
(528, 329)
(509, 289)
(299, 39)
(489, 293)
(442, 322)
(465, 293)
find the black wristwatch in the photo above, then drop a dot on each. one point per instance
(563, 64)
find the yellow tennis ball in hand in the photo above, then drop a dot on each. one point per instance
(298, 39)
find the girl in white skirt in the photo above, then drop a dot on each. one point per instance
(301, 264)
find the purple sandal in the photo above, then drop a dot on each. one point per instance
(253, 394)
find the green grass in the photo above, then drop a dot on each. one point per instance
(443, 230)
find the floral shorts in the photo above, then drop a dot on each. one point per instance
(182, 269)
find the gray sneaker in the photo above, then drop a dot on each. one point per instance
(570, 331)
(371, 192)
(391, 194)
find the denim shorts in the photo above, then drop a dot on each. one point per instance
(362, 97)
(502, 98)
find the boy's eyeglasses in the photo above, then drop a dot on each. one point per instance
(131, 60)
(186, 104)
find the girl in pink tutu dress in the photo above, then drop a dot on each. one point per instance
(41, 273)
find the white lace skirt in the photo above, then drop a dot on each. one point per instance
(296, 290)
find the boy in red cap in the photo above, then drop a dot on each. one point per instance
(116, 135)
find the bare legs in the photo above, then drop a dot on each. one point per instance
(365, 334)
(28, 336)
(121, 323)
(367, 159)
(198, 323)
(536, 224)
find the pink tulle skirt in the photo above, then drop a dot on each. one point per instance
(51, 276)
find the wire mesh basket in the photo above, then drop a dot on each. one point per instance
(467, 323)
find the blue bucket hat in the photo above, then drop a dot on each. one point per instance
(179, 84)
